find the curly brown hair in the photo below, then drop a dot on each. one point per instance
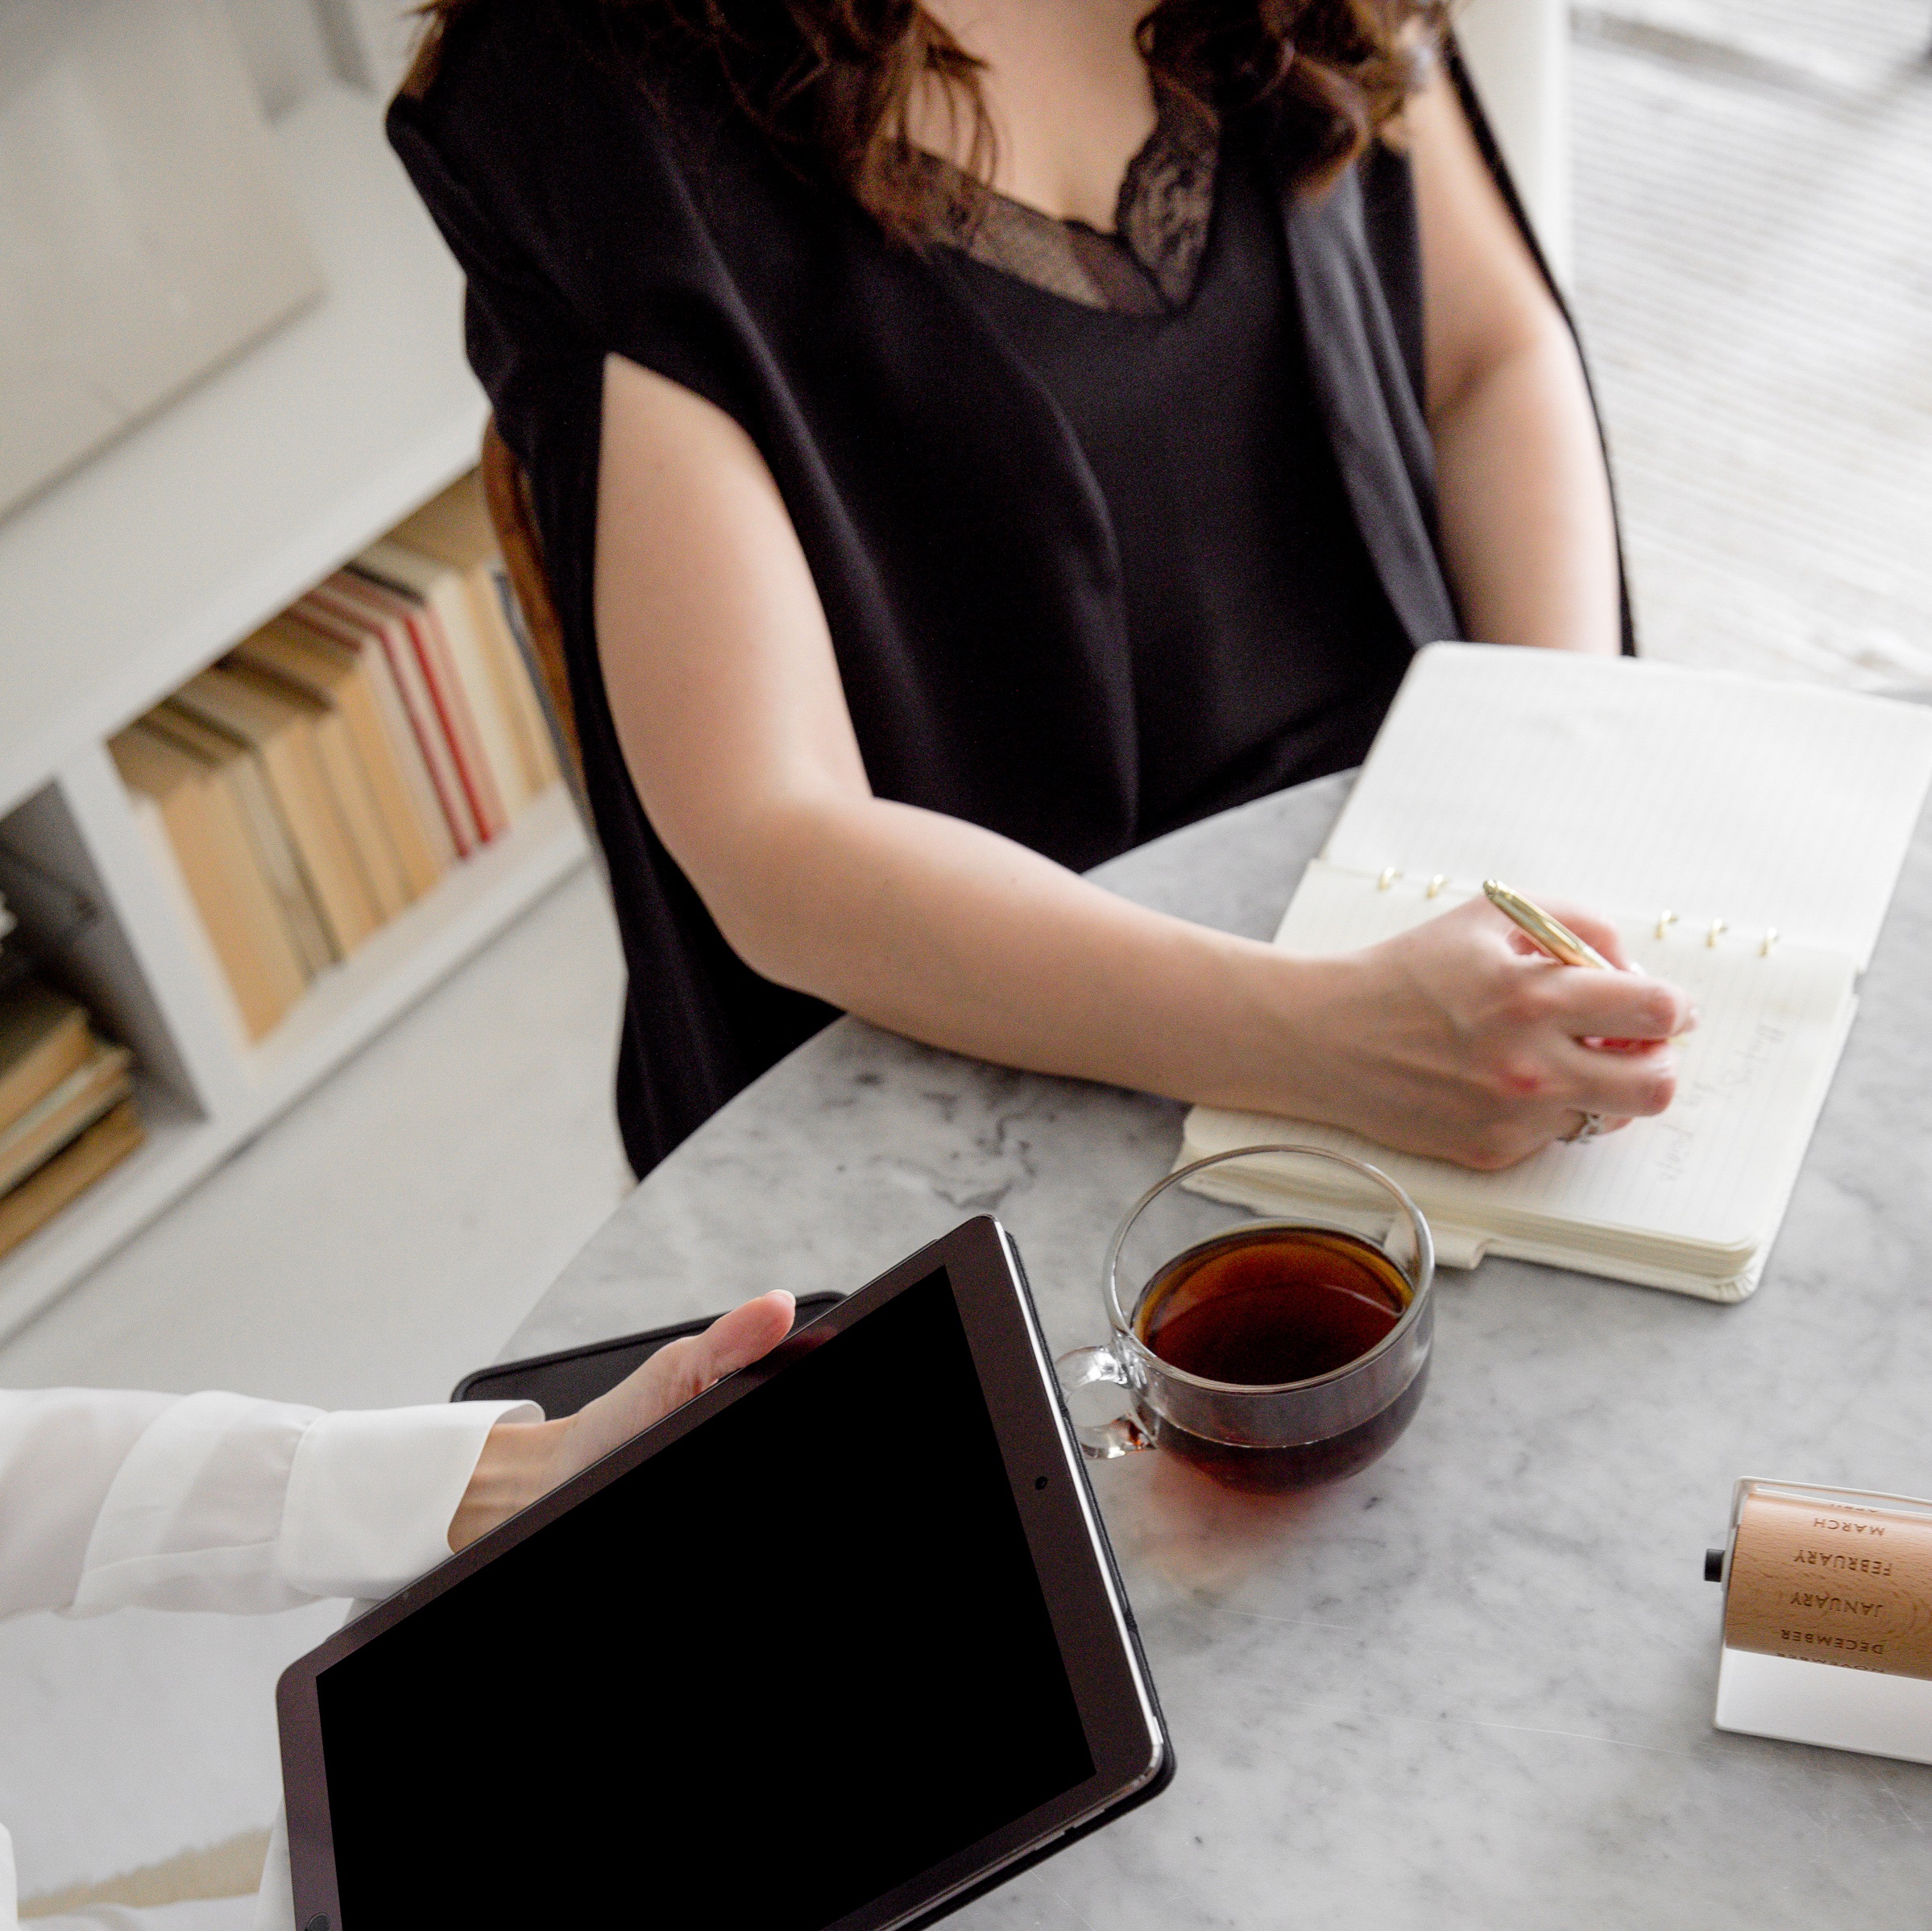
(831, 82)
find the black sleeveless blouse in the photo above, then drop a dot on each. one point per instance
(1089, 575)
(1262, 649)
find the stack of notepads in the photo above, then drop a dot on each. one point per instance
(67, 1113)
(1744, 837)
(326, 773)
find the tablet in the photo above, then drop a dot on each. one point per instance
(839, 1644)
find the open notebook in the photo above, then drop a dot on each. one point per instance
(1769, 820)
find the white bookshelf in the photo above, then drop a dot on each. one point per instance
(149, 563)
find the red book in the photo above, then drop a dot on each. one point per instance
(342, 607)
(452, 704)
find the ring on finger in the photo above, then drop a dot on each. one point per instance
(1588, 1126)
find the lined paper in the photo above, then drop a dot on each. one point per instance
(1699, 1189)
(1632, 789)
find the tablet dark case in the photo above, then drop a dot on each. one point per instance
(564, 1380)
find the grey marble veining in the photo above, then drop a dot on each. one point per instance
(1473, 1686)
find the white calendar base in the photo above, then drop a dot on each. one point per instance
(1819, 1703)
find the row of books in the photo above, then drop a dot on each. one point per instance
(66, 1109)
(331, 767)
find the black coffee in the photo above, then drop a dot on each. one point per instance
(1272, 1305)
(1269, 1305)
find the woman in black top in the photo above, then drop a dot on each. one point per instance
(970, 439)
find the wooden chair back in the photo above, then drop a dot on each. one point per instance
(507, 490)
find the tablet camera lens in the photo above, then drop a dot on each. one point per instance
(1039, 1481)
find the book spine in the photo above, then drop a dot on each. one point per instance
(67, 1113)
(429, 586)
(242, 872)
(439, 673)
(295, 775)
(387, 747)
(281, 865)
(450, 605)
(30, 1080)
(184, 827)
(349, 785)
(358, 763)
(490, 592)
(69, 1175)
(232, 771)
(343, 616)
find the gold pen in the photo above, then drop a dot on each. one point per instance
(1551, 934)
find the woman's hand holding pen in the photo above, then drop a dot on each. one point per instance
(1462, 1039)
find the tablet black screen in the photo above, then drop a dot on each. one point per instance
(785, 1664)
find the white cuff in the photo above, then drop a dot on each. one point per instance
(372, 1492)
(225, 1503)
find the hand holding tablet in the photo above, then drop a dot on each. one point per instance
(556, 1726)
(522, 1460)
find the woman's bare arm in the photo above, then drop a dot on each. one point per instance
(728, 704)
(1527, 529)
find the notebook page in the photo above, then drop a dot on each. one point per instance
(1714, 1171)
(1635, 788)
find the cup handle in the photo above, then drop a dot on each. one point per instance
(1106, 1440)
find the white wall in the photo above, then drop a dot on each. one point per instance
(292, 47)
(282, 44)
(1518, 52)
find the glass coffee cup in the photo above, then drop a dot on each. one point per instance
(1273, 1349)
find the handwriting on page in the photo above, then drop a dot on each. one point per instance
(1636, 789)
(1714, 1168)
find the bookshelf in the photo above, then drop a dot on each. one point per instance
(143, 567)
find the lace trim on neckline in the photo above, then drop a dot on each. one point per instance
(1148, 264)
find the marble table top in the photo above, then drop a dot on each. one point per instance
(1473, 1685)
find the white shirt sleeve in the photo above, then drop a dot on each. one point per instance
(60, 1449)
(217, 1501)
